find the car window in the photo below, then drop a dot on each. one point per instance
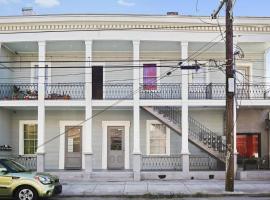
(13, 166)
(2, 168)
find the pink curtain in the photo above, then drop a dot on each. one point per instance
(149, 77)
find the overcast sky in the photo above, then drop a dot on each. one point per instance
(186, 7)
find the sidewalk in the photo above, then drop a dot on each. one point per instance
(181, 188)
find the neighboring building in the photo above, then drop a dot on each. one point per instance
(88, 109)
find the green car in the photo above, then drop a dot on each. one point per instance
(21, 184)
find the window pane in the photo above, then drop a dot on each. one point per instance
(158, 131)
(157, 139)
(36, 74)
(30, 138)
(46, 73)
(150, 76)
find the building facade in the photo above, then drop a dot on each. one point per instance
(96, 93)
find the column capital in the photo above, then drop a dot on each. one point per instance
(88, 42)
(184, 43)
(41, 43)
(136, 42)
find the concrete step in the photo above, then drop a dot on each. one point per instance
(112, 176)
(116, 176)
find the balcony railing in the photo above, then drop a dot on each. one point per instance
(252, 91)
(30, 162)
(218, 91)
(160, 91)
(114, 91)
(65, 91)
(18, 91)
(204, 163)
(118, 91)
(159, 163)
(207, 91)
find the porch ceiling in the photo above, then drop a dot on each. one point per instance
(22, 47)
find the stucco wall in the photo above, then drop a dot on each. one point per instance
(5, 125)
(53, 117)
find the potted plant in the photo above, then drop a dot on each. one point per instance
(66, 97)
(31, 94)
(16, 92)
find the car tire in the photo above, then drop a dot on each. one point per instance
(25, 193)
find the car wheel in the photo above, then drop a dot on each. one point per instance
(26, 193)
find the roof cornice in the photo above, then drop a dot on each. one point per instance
(63, 23)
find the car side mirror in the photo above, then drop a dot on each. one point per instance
(3, 171)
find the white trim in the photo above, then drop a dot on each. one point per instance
(33, 64)
(168, 138)
(21, 133)
(250, 69)
(105, 124)
(62, 125)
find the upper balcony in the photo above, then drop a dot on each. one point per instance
(124, 91)
(113, 75)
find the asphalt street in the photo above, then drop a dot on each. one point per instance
(151, 198)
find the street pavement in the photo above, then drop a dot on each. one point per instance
(209, 198)
(181, 188)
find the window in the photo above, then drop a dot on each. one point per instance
(28, 137)
(158, 140)
(35, 76)
(248, 145)
(199, 76)
(149, 76)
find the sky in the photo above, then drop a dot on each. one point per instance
(159, 7)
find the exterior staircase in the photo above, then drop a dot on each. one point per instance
(199, 135)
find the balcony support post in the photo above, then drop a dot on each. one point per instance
(41, 107)
(185, 125)
(87, 133)
(267, 87)
(136, 112)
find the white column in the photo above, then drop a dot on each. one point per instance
(267, 82)
(87, 133)
(185, 124)
(136, 112)
(41, 106)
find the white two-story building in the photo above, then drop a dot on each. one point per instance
(105, 94)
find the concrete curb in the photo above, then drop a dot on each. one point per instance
(156, 196)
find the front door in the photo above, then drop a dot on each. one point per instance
(248, 145)
(116, 151)
(73, 147)
(97, 82)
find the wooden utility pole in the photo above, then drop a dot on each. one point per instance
(230, 91)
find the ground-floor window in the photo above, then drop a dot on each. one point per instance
(158, 138)
(248, 145)
(28, 137)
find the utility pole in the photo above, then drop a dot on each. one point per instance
(230, 91)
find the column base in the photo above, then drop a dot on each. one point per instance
(40, 162)
(185, 163)
(88, 158)
(137, 167)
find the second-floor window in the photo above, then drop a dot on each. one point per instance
(35, 75)
(149, 76)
